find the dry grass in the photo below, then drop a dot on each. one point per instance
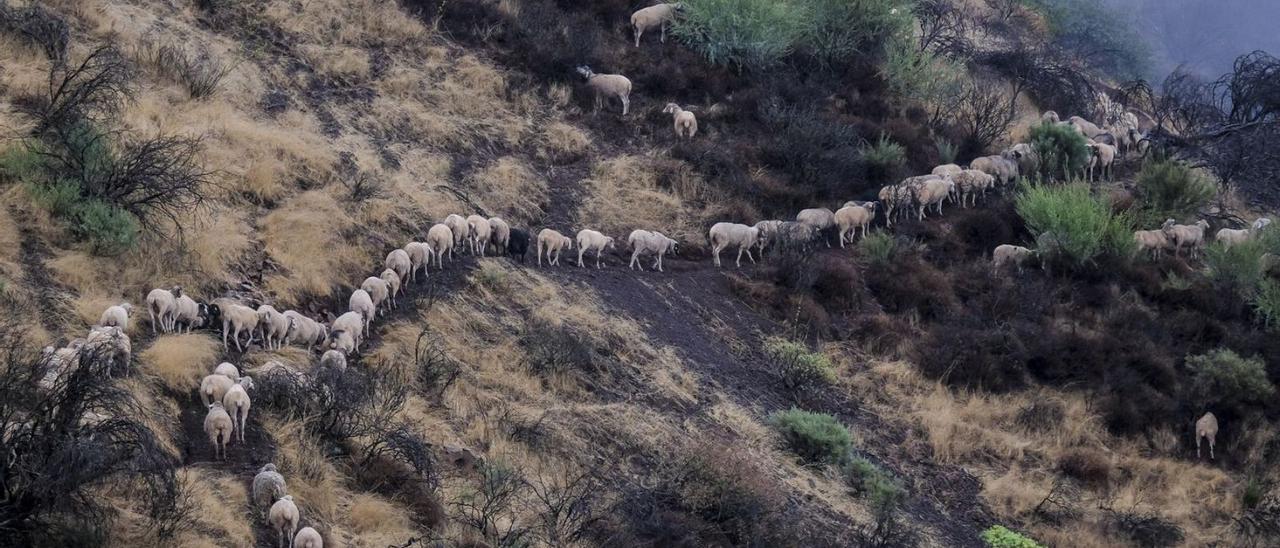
(510, 189)
(313, 481)
(648, 192)
(561, 142)
(308, 238)
(180, 361)
(377, 522)
(343, 63)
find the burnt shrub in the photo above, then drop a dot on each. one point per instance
(1145, 529)
(909, 283)
(982, 229)
(1089, 466)
(37, 26)
(1042, 415)
(812, 150)
(552, 349)
(965, 351)
(838, 284)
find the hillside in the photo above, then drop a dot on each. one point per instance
(275, 151)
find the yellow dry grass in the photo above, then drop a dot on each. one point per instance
(511, 189)
(644, 192)
(559, 141)
(308, 237)
(377, 522)
(180, 361)
(313, 481)
(219, 502)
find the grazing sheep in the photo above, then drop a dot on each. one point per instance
(501, 234)
(305, 332)
(946, 169)
(684, 121)
(932, 193)
(393, 285)
(161, 307)
(893, 197)
(608, 85)
(273, 325)
(440, 239)
(334, 359)
(237, 403)
(553, 242)
(461, 231)
(480, 232)
(218, 426)
(1155, 241)
(378, 290)
(768, 233)
(1005, 170)
(1050, 117)
(851, 217)
(1025, 156)
(970, 183)
(340, 340)
(236, 319)
(1190, 236)
(518, 244)
(350, 324)
(823, 220)
(116, 316)
(1085, 127)
(1102, 156)
(268, 487)
(1006, 254)
(189, 313)
(362, 302)
(723, 235)
(419, 259)
(659, 15)
(644, 241)
(283, 518)
(228, 370)
(214, 387)
(1206, 428)
(589, 240)
(308, 538)
(111, 343)
(399, 261)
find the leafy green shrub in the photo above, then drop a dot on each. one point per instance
(1073, 225)
(878, 247)
(1223, 378)
(947, 151)
(1240, 268)
(1062, 150)
(1171, 189)
(915, 73)
(109, 229)
(1254, 492)
(883, 159)
(747, 34)
(799, 368)
(879, 487)
(833, 30)
(998, 536)
(1096, 33)
(1266, 303)
(816, 437)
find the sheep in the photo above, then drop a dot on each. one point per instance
(1025, 156)
(1123, 139)
(659, 15)
(440, 238)
(480, 232)
(268, 487)
(933, 192)
(612, 85)
(1050, 117)
(850, 217)
(796, 235)
(190, 313)
(1206, 428)
(273, 325)
(768, 232)
(518, 244)
(1106, 138)
(1231, 236)
(1102, 156)
(228, 370)
(553, 242)
(236, 319)
(237, 403)
(821, 219)
(345, 333)
(642, 241)
(723, 235)
(946, 169)
(379, 290)
(393, 285)
(213, 387)
(334, 359)
(461, 231)
(305, 331)
(1155, 241)
(971, 182)
(419, 259)
(1006, 254)
(116, 316)
(501, 234)
(362, 302)
(161, 308)
(399, 261)
(1191, 236)
(1004, 170)
(308, 538)
(283, 517)
(218, 425)
(683, 120)
(1085, 127)
(111, 343)
(893, 197)
(590, 239)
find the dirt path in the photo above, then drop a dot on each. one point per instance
(54, 304)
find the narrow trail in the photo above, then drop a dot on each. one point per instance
(55, 305)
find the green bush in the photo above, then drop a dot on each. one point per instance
(816, 437)
(1266, 303)
(799, 368)
(998, 536)
(1098, 34)
(916, 74)
(1223, 378)
(878, 247)
(1073, 225)
(1062, 150)
(747, 34)
(1171, 189)
(947, 151)
(883, 160)
(833, 30)
(879, 487)
(109, 229)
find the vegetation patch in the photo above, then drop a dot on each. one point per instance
(815, 437)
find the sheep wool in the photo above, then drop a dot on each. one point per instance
(592, 240)
(308, 538)
(608, 85)
(440, 238)
(852, 217)
(283, 518)
(723, 235)
(218, 426)
(268, 487)
(659, 16)
(686, 124)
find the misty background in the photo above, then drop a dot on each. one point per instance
(1204, 35)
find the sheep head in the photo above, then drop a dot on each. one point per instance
(585, 71)
(671, 108)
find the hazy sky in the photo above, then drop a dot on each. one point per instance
(1207, 35)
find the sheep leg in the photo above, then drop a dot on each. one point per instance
(664, 33)
(598, 251)
(581, 250)
(638, 32)
(224, 335)
(715, 250)
(626, 104)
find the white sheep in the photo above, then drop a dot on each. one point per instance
(393, 284)
(1101, 156)
(501, 234)
(1190, 236)
(236, 319)
(686, 124)
(1050, 117)
(1004, 170)
(1007, 254)
(218, 426)
(399, 261)
(440, 238)
(723, 235)
(644, 241)
(273, 326)
(362, 302)
(1231, 236)
(553, 242)
(116, 316)
(768, 234)
(946, 169)
(213, 387)
(1155, 241)
(932, 193)
(334, 359)
(305, 331)
(852, 217)
(820, 218)
(308, 538)
(283, 518)
(350, 324)
(419, 259)
(268, 487)
(162, 307)
(897, 197)
(461, 231)
(1085, 127)
(480, 232)
(189, 313)
(1025, 156)
(1206, 428)
(659, 15)
(111, 343)
(378, 290)
(608, 85)
(592, 240)
(228, 370)
(970, 183)
(237, 403)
